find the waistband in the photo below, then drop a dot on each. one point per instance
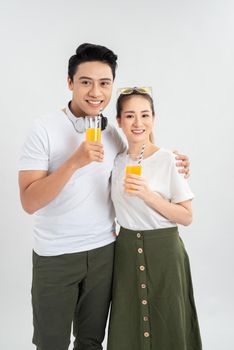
(161, 232)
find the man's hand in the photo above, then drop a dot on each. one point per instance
(183, 164)
(88, 152)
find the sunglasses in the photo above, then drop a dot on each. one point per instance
(130, 90)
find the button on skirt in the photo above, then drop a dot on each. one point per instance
(153, 305)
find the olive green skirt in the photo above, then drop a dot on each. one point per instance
(153, 305)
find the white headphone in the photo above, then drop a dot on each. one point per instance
(79, 122)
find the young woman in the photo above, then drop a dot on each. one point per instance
(153, 305)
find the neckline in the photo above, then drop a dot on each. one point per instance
(154, 154)
(149, 156)
(77, 122)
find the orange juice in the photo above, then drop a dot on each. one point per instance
(133, 169)
(93, 134)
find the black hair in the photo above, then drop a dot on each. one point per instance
(90, 52)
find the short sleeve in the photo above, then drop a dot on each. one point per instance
(35, 151)
(179, 187)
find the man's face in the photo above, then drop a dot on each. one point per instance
(91, 88)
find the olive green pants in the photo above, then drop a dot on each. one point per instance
(71, 289)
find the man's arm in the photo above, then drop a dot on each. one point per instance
(37, 188)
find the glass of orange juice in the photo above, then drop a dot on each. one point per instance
(133, 166)
(93, 128)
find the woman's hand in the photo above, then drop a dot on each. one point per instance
(180, 213)
(136, 185)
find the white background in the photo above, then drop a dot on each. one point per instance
(183, 49)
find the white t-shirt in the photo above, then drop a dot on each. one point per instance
(81, 217)
(162, 175)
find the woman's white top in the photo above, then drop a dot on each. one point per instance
(162, 175)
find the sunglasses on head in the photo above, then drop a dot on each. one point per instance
(130, 90)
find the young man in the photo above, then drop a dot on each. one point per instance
(65, 182)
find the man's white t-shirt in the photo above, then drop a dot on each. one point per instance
(162, 175)
(81, 217)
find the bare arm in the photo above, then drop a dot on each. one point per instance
(180, 213)
(37, 188)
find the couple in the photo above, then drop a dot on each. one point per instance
(66, 183)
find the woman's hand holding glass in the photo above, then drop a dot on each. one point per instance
(136, 185)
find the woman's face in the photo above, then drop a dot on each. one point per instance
(136, 119)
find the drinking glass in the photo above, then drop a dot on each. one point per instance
(93, 128)
(133, 166)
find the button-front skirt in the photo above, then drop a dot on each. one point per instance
(153, 305)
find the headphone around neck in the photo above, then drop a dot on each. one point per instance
(79, 122)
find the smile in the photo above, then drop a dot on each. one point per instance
(94, 103)
(138, 131)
